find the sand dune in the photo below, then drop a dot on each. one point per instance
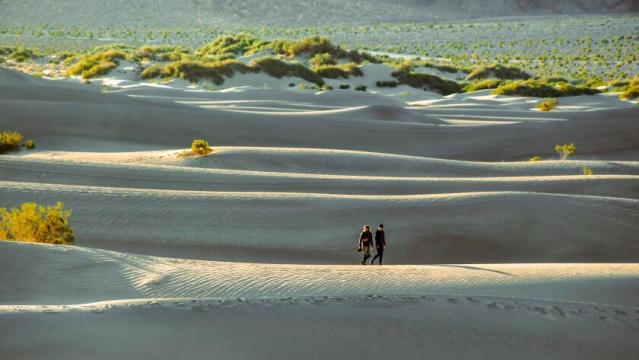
(292, 227)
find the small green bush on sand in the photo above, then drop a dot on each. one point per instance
(10, 141)
(34, 223)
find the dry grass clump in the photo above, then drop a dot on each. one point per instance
(193, 71)
(199, 147)
(631, 91)
(543, 89)
(10, 141)
(34, 223)
(238, 44)
(151, 72)
(565, 150)
(314, 45)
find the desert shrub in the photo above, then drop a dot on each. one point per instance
(547, 105)
(35, 223)
(345, 86)
(30, 144)
(314, 45)
(160, 52)
(278, 68)
(391, 83)
(427, 82)
(535, 158)
(10, 141)
(21, 55)
(2, 60)
(320, 60)
(441, 67)
(536, 88)
(238, 44)
(194, 71)
(586, 171)
(499, 72)
(631, 91)
(565, 150)
(360, 87)
(482, 85)
(339, 71)
(200, 147)
(151, 72)
(97, 64)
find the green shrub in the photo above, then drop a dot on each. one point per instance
(482, 85)
(194, 71)
(427, 82)
(345, 86)
(10, 141)
(151, 72)
(565, 150)
(547, 105)
(537, 88)
(200, 147)
(314, 45)
(98, 64)
(586, 171)
(320, 60)
(161, 52)
(631, 91)
(360, 88)
(278, 68)
(21, 55)
(499, 72)
(35, 223)
(29, 144)
(535, 158)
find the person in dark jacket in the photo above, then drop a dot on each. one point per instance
(380, 244)
(365, 243)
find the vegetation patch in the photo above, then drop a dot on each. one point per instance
(543, 89)
(98, 64)
(339, 71)
(547, 105)
(151, 72)
(631, 91)
(35, 223)
(193, 71)
(278, 69)
(498, 71)
(565, 150)
(427, 82)
(482, 85)
(240, 45)
(314, 45)
(10, 141)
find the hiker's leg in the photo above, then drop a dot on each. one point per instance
(381, 256)
(375, 257)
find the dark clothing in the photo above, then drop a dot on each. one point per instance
(380, 244)
(380, 240)
(365, 239)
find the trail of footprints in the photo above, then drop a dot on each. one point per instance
(548, 309)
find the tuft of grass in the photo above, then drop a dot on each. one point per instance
(535, 158)
(499, 72)
(200, 147)
(35, 223)
(586, 171)
(565, 150)
(241, 44)
(278, 68)
(10, 141)
(360, 88)
(427, 82)
(631, 91)
(30, 144)
(547, 105)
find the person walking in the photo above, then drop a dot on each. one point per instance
(365, 243)
(380, 244)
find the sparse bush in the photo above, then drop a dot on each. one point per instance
(631, 91)
(360, 87)
(547, 105)
(151, 72)
(29, 144)
(565, 151)
(10, 141)
(586, 171)
(535, 158)
(278, 68)
(345, 86)
(320, 60)
(200, 147)
(35, 223)
(499, 72)
(427, 82)
(239, 44)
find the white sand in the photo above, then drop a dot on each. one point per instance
(258, 239)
